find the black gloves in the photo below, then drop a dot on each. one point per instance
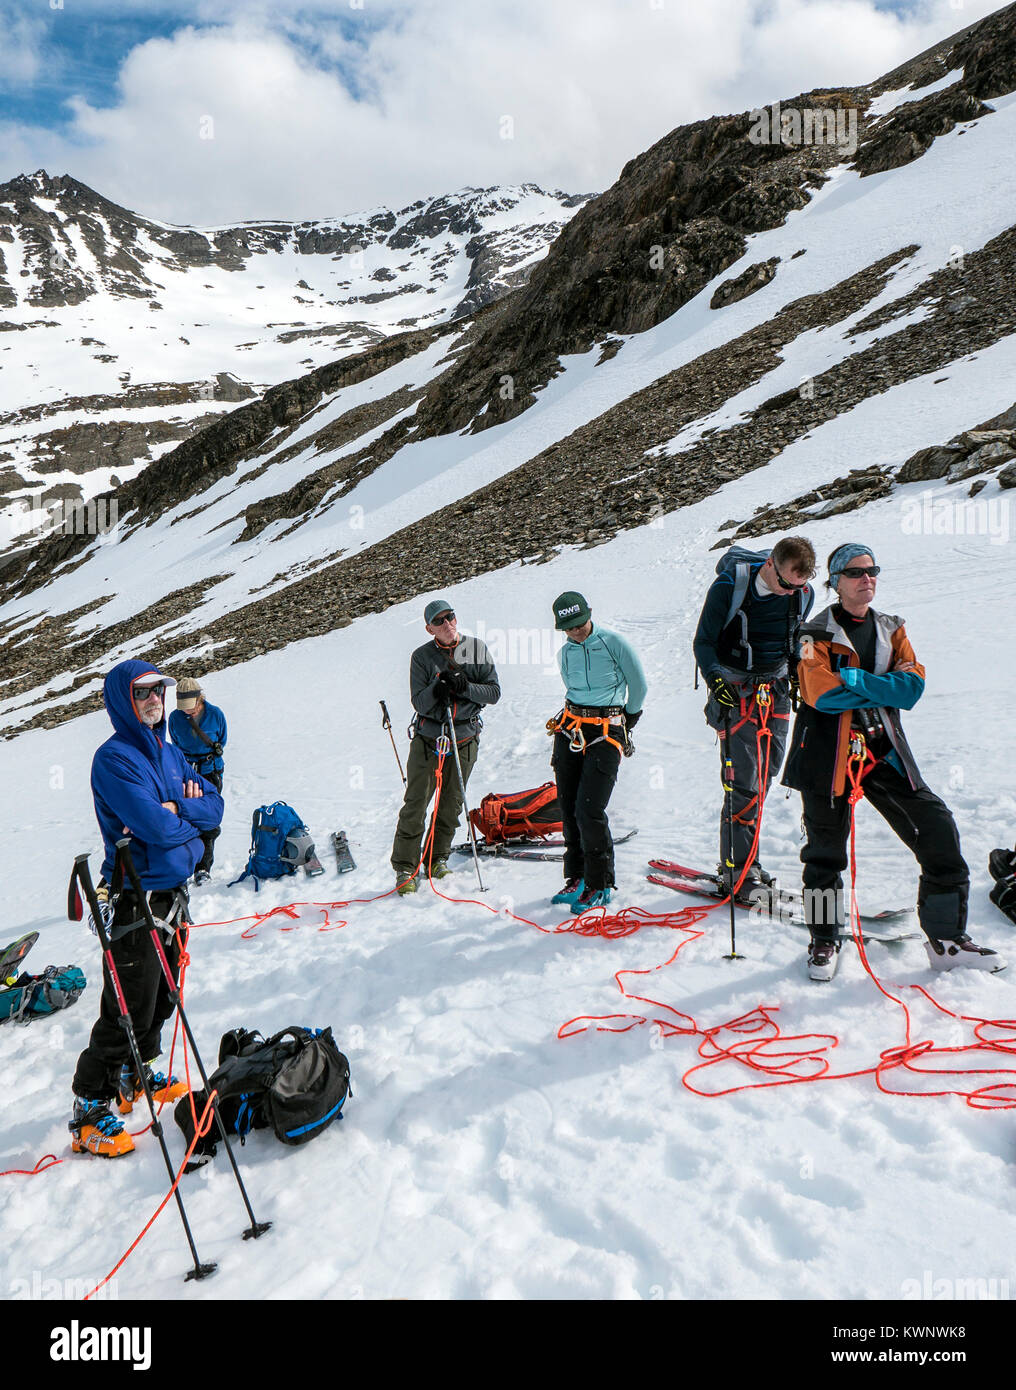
(449, 686)
(722, 693)
(632, 719)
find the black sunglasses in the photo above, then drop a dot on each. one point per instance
(444, 618)
(791, 588)
(142, 692)
(859, 571)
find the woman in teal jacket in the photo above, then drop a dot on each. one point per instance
(604, 690)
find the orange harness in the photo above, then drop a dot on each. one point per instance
(572, 725)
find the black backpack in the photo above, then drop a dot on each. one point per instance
(294, 1083)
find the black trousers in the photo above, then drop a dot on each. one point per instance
(146, 994)
(744, 722)
(925, 825)
(584, 784)
(208, 837)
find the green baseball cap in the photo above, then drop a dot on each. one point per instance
(436, 608)
(571, 610)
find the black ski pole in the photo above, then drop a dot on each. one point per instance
(387, 724)
(462, 788)
(257, 1228)
(84, 877)
(728, 797)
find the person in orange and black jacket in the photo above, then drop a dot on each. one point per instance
(857, 670)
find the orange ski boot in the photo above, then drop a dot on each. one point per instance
(164, 1088)
(96, 1130)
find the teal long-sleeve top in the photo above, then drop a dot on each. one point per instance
(603, 670)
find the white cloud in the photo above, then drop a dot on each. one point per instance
(21, 44)
(584, 85)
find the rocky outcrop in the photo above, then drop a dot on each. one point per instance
(905, 136)
(741, 286)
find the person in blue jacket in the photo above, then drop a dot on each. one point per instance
(605, 687)
(142, 787)
(198, 729)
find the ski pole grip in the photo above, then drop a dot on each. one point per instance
(84, 877)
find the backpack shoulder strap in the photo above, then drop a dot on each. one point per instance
(742, 578)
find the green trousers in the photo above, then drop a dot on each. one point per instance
(421, 779)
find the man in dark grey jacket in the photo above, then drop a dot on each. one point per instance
(449, 670)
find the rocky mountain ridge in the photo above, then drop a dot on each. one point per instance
(678, 217)
(138, 313)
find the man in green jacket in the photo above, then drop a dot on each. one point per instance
(604, 690)
(448, 671)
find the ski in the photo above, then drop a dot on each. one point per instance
(886, 926)
(551, 848)
(344, 860)
(11, 957)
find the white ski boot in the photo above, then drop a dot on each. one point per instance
(823, 958)
(947, 955)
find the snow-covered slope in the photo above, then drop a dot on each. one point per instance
(481, 1156)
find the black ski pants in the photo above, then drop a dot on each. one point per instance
(584, 784)
(925, 825)
(744, 721)
(146, 994)
(208, 837)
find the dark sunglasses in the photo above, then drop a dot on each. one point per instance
(444, 618)
(791, 588)
(142, 692)
(859, 571)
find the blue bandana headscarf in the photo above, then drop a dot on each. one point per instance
(844, 556)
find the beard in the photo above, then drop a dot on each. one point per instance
(152, 714)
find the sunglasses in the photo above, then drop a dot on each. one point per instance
(859, 571)
(444, 618)
(142, 692)
(791, 588)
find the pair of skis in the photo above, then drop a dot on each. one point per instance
(551, 848)
(344, 860)
(782, 905)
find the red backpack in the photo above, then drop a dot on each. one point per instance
(531, 814)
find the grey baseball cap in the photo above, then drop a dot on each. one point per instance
(436, 608)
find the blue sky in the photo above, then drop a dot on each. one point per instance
(217, 110)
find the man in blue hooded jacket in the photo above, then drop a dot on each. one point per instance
(143, 787)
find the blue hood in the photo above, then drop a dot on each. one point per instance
(116, 695)
(134, 774)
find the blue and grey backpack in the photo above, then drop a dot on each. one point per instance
(35, 996)
(279, 844)
(742, 564)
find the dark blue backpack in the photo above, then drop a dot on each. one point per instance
(279, 844)
(35, 996)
